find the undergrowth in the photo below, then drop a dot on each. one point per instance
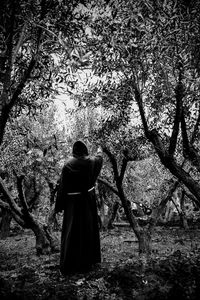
(171, 272)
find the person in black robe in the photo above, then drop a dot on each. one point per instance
(80, 241)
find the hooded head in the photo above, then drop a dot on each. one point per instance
(79, 149)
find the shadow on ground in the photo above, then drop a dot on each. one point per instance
(172, 271)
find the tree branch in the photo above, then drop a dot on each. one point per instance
(138, 99)
(113, 162)
(186, 143)
(19, 44)
(192, 197)
(165, 158)
(154, 138)
(109, 185)
(32, 62)
(4, 205)
(125, 161)
(21, 195)
(189, 151)
(123, 168)
(8, 56)
(22, 84)
(177, 118)
(196, 128)
(9, 198)
(43, 12)
(157, 212)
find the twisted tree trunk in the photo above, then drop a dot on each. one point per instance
(143, 236)
(45, 242)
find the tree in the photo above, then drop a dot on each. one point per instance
(35, 38)
(151, 48)
(144, 55)
(31, 155)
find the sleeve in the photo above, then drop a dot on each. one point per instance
(59, 204)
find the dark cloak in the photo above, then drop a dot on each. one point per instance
(80, 242)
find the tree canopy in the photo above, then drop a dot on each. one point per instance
(144, 54)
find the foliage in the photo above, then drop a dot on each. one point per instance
(37, 43)
(144, 54)
(35, 149)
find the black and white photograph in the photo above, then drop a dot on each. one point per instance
(99, 149)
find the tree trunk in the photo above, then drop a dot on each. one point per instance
(4, 113)
(144, 239)
(183, 217)
(5, 223)
(113, 215)
(42, 242)
(52, 222)
(178, 171)
(45, 242)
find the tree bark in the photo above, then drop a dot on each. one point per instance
(5, 223)
(145, 242)
(42, 242)
(183, 215)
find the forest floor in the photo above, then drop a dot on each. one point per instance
(171, 272)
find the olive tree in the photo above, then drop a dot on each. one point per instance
(37, 42)
(145, 56)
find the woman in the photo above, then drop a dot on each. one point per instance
(80, 242)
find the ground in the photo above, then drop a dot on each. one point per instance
(172, 271)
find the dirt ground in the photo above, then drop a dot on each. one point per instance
(173, 269)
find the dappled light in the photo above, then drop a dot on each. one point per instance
(119, 217)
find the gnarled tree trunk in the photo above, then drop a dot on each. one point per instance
(45, 242)
(143, 236)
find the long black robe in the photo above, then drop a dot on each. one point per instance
(80, 242)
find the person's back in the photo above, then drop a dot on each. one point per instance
(82, 172)
(80, 244)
